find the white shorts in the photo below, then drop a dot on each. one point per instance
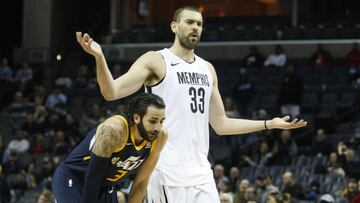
(158, 193)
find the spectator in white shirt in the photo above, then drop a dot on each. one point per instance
(277, 59)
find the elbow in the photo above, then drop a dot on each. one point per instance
(107, 96)
(219, 130)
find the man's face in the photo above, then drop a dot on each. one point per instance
(189, 28)
(151, 123)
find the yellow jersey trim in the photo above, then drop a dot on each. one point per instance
(137, 147)
(153, 145)
(85, 158)
(127, 134)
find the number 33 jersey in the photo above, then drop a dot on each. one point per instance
(186, 90)
(124, 160)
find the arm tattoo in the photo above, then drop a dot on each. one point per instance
(107, 139)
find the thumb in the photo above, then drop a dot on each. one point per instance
(286, 118)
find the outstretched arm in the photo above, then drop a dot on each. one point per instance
(145, 68)
(138, 189)
(228, 126)
(110, 135)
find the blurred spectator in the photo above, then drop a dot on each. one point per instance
(121, 197)
(234, 175)
(326, 198)
(30, 176)
(219, 174)
(71, 130)
(250, 194)
(226, 198)
(351, 190)
(45, 172)
(321, 146)
(314, 191)
(18, 145)
(261, 157)
(2, 147)
(53, 123)
(295, 189)
(264, 188)
(321, 58)
(224, 187)
(353, 57)
(39, 96)
(95, 113)
(12, 166)
(46, 196)
(60, 147)
(30, 126)
(56, 98)
(348, 162)
(291, 92)
(25, 73)
(63, 82)
(230, 108)
(82, 77)
(6, 72)
(243, 94)
(285, 148)
(39, 145)
(277, 59)
(5, 195)
(334, 166)
(86, 124)
(254, 59)
(239, 194)
(117, 70)
(18, 106)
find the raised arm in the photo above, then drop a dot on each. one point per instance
(138, 189)
(228, 126)
(145, 69)
(110, 134)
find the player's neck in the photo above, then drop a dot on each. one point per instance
(138, 138)
(181, 52)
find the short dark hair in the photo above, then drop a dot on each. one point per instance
(139, 104)
(178, 12)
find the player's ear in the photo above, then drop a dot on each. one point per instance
(137, 118)
(173, 26)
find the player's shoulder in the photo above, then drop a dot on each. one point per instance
(117, 122)
(152, 56)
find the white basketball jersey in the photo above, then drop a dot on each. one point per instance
(186, 90)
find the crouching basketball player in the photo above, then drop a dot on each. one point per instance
(116, 147)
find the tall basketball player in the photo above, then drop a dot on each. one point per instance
(118, 146)
(189, 86)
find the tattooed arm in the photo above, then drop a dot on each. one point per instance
(110, 134)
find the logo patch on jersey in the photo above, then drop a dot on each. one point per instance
(148, 145)
(114, 160)
(130, 163)
(174, 64)
(70, 182)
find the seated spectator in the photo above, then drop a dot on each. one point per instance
(326, 198)
(19, 105)
(219, 174)
(321, 58)
(5, 194)
(295, 189)
(230, 108)
(334, 166)
(226, 198)
(254, 59)
(18, 145)
(234, 175)
(285, 148)
(243, 94)
(321, 145)
(30, 177)
(264, 188)
(250, 194)
(277, 59)
(12, 166)
(6, 72)
(56, 98)
(348, 163)
(291, 92)
(46, 196)
(261, 158)
(353, 57)
(351, 190)
(25, 73)
(239, 194)
(314, 191)
(39, 145)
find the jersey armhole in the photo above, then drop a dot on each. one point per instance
(127, 134)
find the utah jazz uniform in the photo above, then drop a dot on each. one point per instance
(68, 178)
(186, 90)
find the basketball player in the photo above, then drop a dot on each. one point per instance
(189, 86)
(118, 146)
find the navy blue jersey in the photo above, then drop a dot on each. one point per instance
(123, 160)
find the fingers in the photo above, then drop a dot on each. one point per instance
(78, 37)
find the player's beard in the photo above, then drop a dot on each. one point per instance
(188, 42)
(143, 133)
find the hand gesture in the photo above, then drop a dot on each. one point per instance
(87, 43)
(283, 123)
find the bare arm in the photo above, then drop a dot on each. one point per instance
(138, 189)
(144, 70)
(228, 126)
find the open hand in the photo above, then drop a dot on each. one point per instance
(284, 123)
(88, 44)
